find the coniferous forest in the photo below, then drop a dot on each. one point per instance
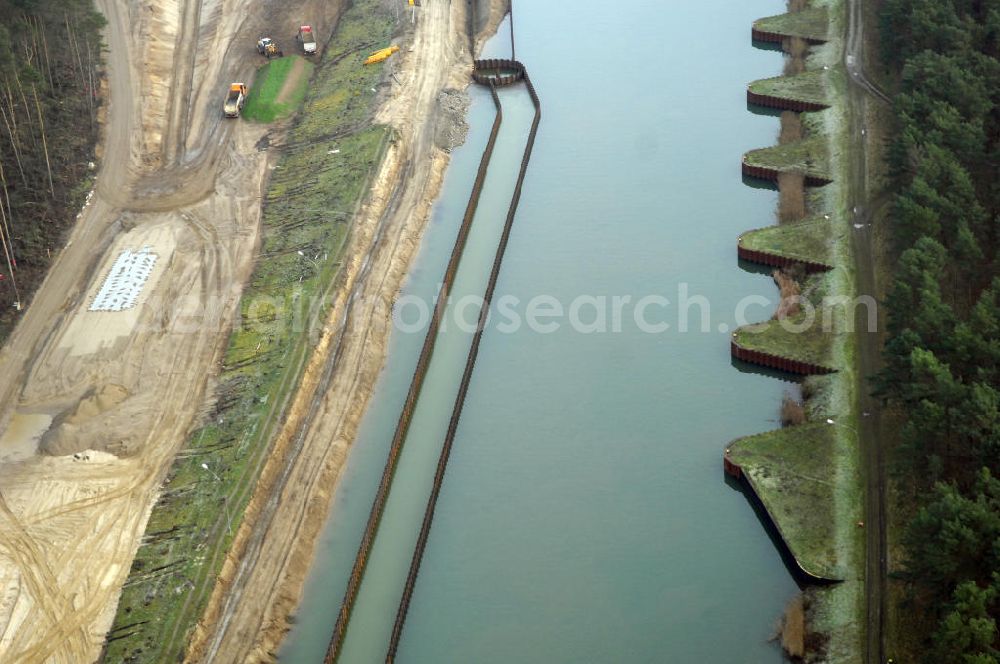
(50, 55)
(942, 355)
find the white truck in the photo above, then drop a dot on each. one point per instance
(307, 39)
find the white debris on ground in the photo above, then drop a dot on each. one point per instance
(125, 281)
(86, 203)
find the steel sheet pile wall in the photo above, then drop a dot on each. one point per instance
(771, 360)
(492, 71)
(770, 37)
(776, 361)
(771, 174)
(406, 415)
(470, 364)
(784, 103)
(777, 260)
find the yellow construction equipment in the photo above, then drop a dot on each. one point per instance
(269, 48)
(380, 55)
(235, 99)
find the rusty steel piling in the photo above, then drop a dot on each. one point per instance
(409, 405)
(470, 364)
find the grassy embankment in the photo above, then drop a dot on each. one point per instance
(809, 86)
(809, 156)
(269, 100)
(795, 337)
(782, 338)
(806, 241)
(807, 475)
(312, 196)
(810, 23)
(787, 467)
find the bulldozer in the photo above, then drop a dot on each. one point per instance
(269, 48)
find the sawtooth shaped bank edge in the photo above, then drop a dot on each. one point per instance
(762, 462)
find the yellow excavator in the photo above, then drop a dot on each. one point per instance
(269, 48)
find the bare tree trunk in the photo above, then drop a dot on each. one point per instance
(10, 209)
(6, 198)
(14, 145)
(45, 50)
(75, 46)
(45, 145)
(27, 106)
(5, 225)
(91, 89)
(5, 241)
(10, 104)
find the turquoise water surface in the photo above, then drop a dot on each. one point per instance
(584, 516)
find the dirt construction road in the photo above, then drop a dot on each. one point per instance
(95, 404)
(860, 92)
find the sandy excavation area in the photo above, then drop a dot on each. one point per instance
(95, 404)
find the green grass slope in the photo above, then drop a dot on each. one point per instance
(808, 86)
(263, 104)
(810, 23)
(807, 241)
(792, 470)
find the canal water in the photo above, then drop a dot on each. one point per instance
(584, 515)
